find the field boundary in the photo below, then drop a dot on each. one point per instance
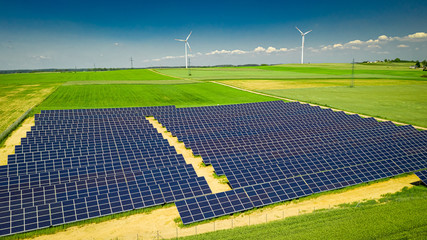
(5, 133)
(154, 71)
(311, 104)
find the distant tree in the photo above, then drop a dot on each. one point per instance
(386, 60)
(417, 64)
(397, 60)
(424, 62)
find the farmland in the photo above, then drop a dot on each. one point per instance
(181, 95)
(390, 91)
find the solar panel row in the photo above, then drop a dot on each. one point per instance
(80, 164)
(219, 204)
(84, 163)
(257, 144)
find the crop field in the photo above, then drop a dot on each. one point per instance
(181, 95)
(391, 91)
(297, 71)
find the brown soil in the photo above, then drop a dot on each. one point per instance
(205, 171)
(15, 139)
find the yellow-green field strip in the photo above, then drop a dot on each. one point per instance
(293, 100)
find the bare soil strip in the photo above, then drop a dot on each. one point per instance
(15, 139)
(205, 171)
(293, 100)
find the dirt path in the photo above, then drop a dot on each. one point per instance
(15, 139)
(207, 172)
(161, 222)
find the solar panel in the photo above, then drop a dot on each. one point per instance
(422, 175)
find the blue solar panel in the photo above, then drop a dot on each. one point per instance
(84, 163)
(422, 175)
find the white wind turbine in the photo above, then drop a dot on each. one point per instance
(185, 46)
(302, 46)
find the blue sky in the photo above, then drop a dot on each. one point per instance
(68, 34)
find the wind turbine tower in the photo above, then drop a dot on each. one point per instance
(185, 46)
(302, 45)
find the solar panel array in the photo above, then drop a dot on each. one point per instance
(422, 175)
(86, 163)
(276, 151)
(80, 164)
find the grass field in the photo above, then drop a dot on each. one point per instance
(395, 216)
(16, 99)
(298, 71)
(180, 95)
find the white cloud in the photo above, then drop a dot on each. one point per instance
(356, 42)
(338, 45)
(383, 38)
(259, 49)
(116, 44)
(372, 41)
(402, 46)
(418, 35)
(271, 49)
(218, 52)
(237, 51)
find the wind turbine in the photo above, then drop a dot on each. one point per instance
(185, 46)
(302, 46)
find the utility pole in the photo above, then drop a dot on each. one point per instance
(131, 63)
(352, 75)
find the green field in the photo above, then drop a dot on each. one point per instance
(395, 216)
(298, 71)
(404, 103)
(180, 95)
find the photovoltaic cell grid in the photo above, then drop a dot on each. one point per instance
(259, 144)
(85, 163)
(422, 175)
(80, 164)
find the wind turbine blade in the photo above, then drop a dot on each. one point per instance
(307, 32)
(189, 35)
(180, 40)
(298, 30)
(188, 46)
